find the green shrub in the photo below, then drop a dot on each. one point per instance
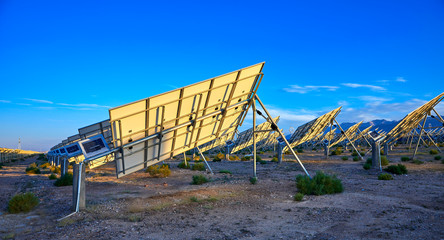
(362, 154)
(32, 169)
(298, 197)
(1, 165)
(385, 176)
(253, 180)
(198, 167)
(367, 166)
(245, 158)
(159, 171)
(354, 154)
(405, 159)
(41, 157)
(355, 159)
(45, 165)
(345, 158)
(66, 180)
(197, 159)
(300, 150)
(199, 179)
(55, 170)
(216, 159)
(194, 199)
(442, 161)
(184, 165)
(262, 162)
(52, 176)
(384, 161)
(369, 161)
(416, 161)
(433, 152)
(438, 157)
(320, 184)
(233, 158)
(258, 158)
(24, 202)
(225, 171)
(274, 159)
(396, 169)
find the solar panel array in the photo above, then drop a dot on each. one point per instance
(350, 133)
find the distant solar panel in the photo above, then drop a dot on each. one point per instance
(245, 138)
(157, 128)
(350, 133)
(311, 129)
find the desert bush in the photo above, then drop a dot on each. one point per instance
(300, 150)
(442, 161)
(367, 166)
(23, 202)
(262, 162)
(197, 159)
(320, 184)
(369, 160)
(355, 159)
(32, 169)
(354, 153)
(199, 179)
(433, 152)
(65, 180)
(438, 157)
(298, 197)
(274, 159)
(405, 159)
(198, 167)
(225, 171)
(416, 161)
(233, 158)
(362, 154)
(258, 158)
(52, 176)
(253, 180)
(245, 158)
(45, 165)
(385, 176)
(159, 171)
(41, 157)
(194, 199)
(396, 169)
(216, 159)
(381, 152)
(345, 158)
(1, 165)
(184, 165)
(384, 161)
(221, 156)
(55, 170)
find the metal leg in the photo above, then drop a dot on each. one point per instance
(340, 128)
(420, 134)
(205, 160)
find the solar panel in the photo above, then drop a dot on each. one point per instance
(350, 133)
(103, 128)
(311, 129)
(269, 141)
(157, 128)
(216, 142)
(245, 138)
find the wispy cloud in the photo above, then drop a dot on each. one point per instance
(373, 99)
(309, 88)
(24, 104)
(83, 105)
(371, 87)
(5, 101)
(38, 100)
(401, 79)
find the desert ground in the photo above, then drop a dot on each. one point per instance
(138, 206)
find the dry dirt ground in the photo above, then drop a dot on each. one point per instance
(230, 207)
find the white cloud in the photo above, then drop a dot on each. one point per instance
(5, 101)
(24, 104)
(38, 100)
(343, 103)
(371, 87)
(401, 79)
(83, 105)
(305, 89)
(373, 99)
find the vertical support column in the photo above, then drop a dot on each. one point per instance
(254, 137)
(376, 156)
(386, 148)
(280, 153)
(64, 166)
(227, 152)
(185, 158)
(326, 151)
(78, 187)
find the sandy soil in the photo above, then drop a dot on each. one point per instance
(230, 207)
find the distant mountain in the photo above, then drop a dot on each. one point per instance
(386, 125)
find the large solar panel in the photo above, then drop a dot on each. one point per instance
(350, 133)
(413, 119)
(245, 138)
(270, 140)
(157, 128)
(311, 129)
(220, 141)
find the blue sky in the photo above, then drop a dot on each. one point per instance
(64, 63)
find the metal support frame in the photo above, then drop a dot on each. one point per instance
(203, 157)
(342, 130)
(254, 137)
(256, 97)
(420, 135)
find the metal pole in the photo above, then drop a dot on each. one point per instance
(282, 135)
(431, 139)
(340, 128)
(420, 134)
(205, 160)
(254, 138)
(78, 186)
